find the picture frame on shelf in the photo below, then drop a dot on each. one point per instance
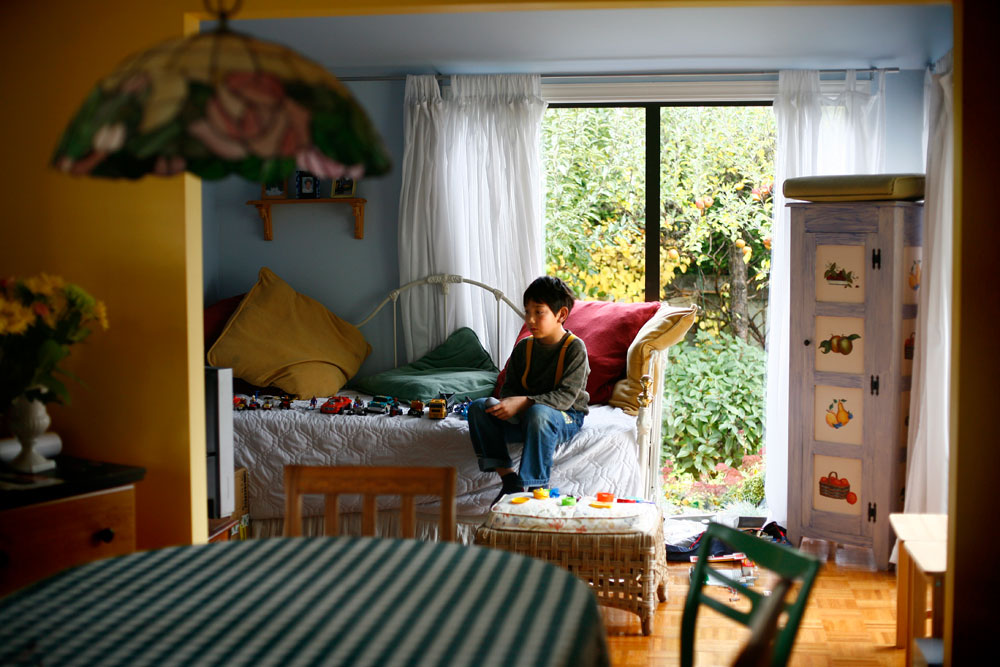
(277, 190)
(306, 185)
(344, 187)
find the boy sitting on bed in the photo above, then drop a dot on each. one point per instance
(543, 399)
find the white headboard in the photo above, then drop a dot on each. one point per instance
(444, 281)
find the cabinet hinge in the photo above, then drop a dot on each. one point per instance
(877, 258)
(874, 385)
(872, 511)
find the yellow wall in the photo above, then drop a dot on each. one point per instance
(138, 247)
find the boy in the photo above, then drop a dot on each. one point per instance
(543, 399)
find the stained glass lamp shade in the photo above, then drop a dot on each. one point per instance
(221, 103)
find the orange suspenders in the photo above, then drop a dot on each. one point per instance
(559, 363)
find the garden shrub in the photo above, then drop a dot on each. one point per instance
(713, 403)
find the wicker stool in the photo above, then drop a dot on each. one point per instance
(622, 568)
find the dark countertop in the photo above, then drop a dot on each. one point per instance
(72, 476)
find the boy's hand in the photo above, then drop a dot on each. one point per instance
(510, 406)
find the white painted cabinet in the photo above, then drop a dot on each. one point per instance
(855, 270)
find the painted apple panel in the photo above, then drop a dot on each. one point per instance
(840, 346)
(838, 415)
(837, 485)
(840, 271)
(908, 346)
(913, 266)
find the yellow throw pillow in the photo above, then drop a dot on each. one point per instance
(282, 338)
(662, 330)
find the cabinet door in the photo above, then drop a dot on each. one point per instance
(834, 347)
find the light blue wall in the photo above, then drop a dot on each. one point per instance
(904, 127)
(314, 248)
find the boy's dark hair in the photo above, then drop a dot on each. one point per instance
(551, 291)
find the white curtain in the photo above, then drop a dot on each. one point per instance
(928, 446)
(471, 203)
(840, 132)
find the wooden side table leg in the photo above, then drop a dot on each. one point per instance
(937, 615)
(918, 612)
(904, 573)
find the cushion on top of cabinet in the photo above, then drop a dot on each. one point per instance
(856, 187)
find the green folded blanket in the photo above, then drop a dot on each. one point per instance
(458, 366)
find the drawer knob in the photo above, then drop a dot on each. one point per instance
(104, 535)
(806, 341)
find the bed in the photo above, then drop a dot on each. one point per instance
(612, 452)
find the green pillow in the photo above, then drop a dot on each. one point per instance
(458, 366)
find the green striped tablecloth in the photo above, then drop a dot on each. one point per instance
(298, 601)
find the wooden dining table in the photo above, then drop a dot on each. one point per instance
(307, 601)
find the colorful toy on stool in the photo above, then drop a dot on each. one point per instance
(541, 493)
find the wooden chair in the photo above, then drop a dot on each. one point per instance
(369, 482)
(768, 644)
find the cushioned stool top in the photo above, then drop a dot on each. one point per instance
(856, 187)
(549, 515)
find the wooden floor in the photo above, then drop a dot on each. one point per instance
(850, 620)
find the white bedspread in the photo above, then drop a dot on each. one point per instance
(602, 457)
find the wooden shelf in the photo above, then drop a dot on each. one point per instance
(357, 204)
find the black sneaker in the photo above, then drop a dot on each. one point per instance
(511, 483)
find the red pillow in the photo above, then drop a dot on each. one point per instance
(607, 328)
(217, 315)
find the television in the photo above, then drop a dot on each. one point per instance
(219, 441)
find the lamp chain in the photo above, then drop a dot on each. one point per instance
(222, 11)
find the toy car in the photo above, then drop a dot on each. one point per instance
(395, 410)
(335, 405)
(416, 409)
(378, 407)
(286, 402)
(462, 408)
(437, 408)
(239, 403)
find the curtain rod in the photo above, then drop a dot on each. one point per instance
(648, 75)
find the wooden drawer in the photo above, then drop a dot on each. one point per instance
(39, 540)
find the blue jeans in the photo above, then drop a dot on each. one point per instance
(540, 428)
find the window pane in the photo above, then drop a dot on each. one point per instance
(595, 213)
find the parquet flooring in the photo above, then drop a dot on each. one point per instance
(850, 620)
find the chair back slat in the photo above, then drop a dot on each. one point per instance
(331, 514)
(368, 515)
(369, 482)
(408, 517)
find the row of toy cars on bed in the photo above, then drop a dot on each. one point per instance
(437, 408)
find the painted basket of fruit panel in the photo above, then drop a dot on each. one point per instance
(831, 488)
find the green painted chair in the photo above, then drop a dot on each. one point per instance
(768, 644)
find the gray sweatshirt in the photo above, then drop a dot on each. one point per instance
(570, 393)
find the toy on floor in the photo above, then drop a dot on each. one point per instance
(416, 409)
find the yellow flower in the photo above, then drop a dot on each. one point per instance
(101, 313)
(14, 317)
(44, 284)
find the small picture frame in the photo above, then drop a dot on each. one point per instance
(277, 190)
(344, 187)
(306, 185)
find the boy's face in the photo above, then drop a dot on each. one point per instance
(543, 324)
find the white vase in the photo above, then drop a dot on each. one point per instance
(28, 420)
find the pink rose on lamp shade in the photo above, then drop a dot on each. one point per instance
(250, 114)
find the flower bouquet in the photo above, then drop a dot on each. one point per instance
(40, 317)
